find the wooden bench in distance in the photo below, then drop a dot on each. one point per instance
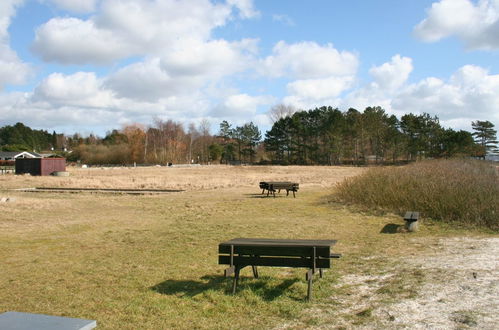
(273, 186)
(241, 252)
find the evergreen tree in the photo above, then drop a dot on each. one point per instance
(485, 136)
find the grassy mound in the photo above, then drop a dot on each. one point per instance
(462, 191)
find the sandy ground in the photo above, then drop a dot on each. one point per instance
(463, 292)
(460, 290)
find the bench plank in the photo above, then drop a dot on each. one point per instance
(279, 242)
(244, 261)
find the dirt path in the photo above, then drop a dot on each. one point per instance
(460, 289)
(452, 285)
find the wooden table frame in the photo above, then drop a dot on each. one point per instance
(241, 252)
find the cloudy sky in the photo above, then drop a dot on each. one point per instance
(90, 66)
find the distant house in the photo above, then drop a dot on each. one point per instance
(492, 157)
(12, 155)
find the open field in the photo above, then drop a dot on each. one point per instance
(150, 261)
(188, 178)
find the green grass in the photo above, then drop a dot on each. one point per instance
(454, 191)
(150, 262)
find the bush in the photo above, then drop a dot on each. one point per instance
(102, 154)
(464, 191)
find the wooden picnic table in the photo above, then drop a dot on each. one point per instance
(241, 252)
(273, 186)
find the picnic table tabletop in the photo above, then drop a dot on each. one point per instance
(279, 242)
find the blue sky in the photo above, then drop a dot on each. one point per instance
(90, 66)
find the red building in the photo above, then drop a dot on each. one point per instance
(40, 166)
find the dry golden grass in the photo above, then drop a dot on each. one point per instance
(190, 178)
(458, 191)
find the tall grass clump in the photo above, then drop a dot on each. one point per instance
(454, 191)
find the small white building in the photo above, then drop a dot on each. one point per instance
(12, 155)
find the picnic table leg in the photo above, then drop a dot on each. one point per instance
(255, 271)
(287, 192)
(236, 279)
(309, 289)
(311, 273)
(321, 272)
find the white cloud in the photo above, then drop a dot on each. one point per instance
(190, 66)
(240, 105)
(82, 89)
(217, 58)
(322, 73)
(144, 81)
(308, 60)
(12, 69)
(76, 6)
(388, 80)
(245, 7)
(392, 75)
(284, 19)
(114, 32)
(75, 41)
(7, 11)
(470, 93)
(476, 24)
(319, 89)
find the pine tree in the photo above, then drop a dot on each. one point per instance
(485, 136)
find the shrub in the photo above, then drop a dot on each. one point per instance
(102, 154)
(464, 191)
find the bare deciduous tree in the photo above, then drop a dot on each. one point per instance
(279, 111)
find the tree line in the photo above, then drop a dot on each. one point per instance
(164, 142)
(329, 136)
(321, 136)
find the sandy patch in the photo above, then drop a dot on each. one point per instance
(462, 290)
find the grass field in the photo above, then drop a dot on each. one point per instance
(150, 261)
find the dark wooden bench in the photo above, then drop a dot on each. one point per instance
(273, 186)
(241, 252)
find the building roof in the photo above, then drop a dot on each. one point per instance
(16, 154)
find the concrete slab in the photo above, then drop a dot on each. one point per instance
(28, 321)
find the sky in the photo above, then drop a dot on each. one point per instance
(90, 66)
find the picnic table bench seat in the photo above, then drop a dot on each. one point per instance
(242, 252)
(273, 186)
